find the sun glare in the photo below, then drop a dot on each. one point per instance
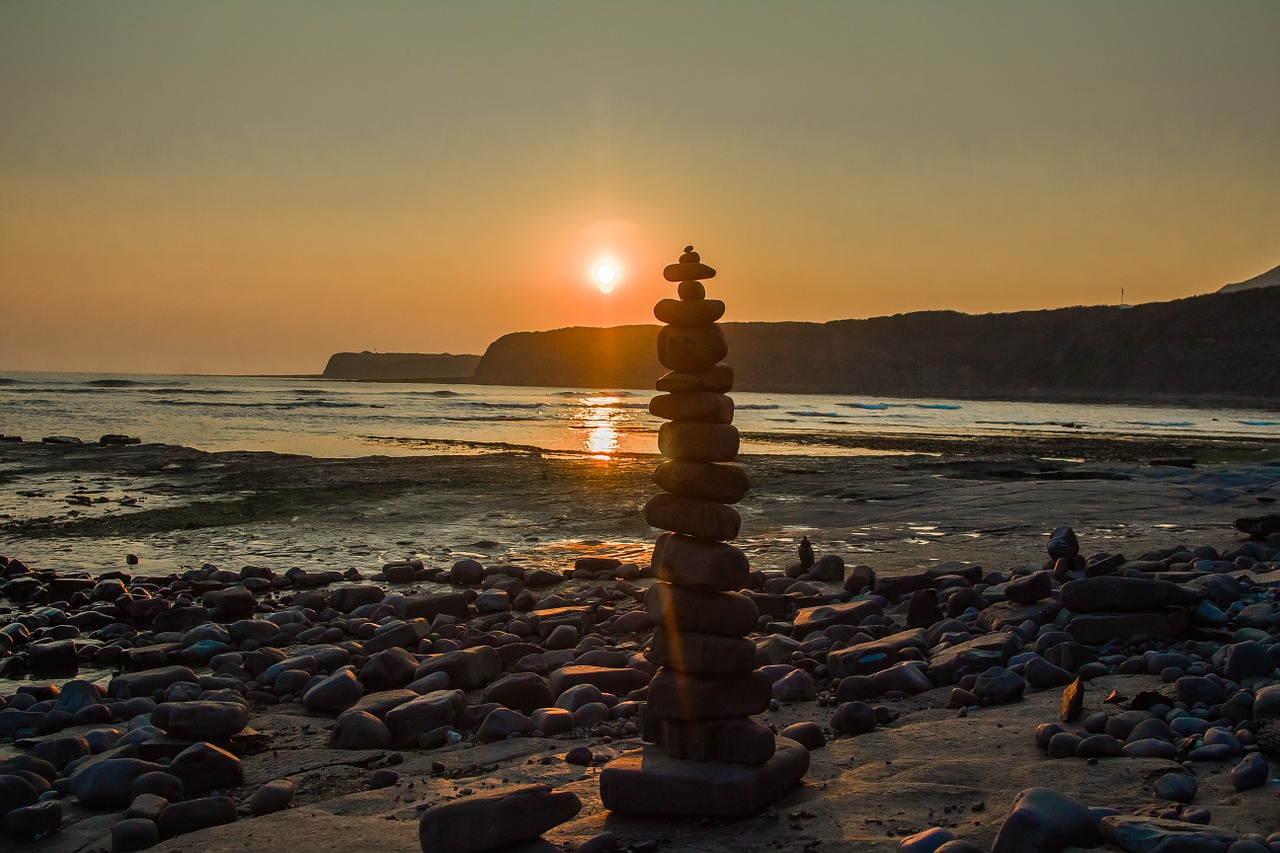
(605, 275)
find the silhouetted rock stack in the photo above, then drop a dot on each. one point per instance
(707, 757)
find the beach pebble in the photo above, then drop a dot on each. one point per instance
(927, 841)
(334, 694)
(1040, 673)
(1030, 589)
(1179, 787)
(191, 815)
(466, 572)
(1044, 821)
(795, 686)
(1099, 746)
(1250, 773)
(160, 784)
(579, 755)
(468, 669)
(488, 821)
(60, 751)
(605, 842)
(146, 806)
(502, 723)
(1150, 748)
(16, 792)
(34, 821)
(525, 692)
(388, 669)
(807, 734)
(553, 721)
(426, 713)
(107, 783)
(201, 720)
(272, 797)
(134, 834)
(853, 718)
(997, 686)
(204, 767)
(383, 777)
(356, 729)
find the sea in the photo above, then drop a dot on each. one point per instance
(327, 418)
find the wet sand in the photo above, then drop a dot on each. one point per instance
(936, 498)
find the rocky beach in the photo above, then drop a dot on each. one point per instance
(213, 651)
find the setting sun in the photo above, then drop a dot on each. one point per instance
(605, 275)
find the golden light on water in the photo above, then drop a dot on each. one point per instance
(599, 418)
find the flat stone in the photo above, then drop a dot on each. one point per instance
(692, 517)
(1097, 628)
(647, 781)
(468, 669)
(107, 782)
(617, 680)
(436, 709)
(718, 379)
(695, 312)
(431, 605)
(192, 815)
(1030, 589)
(146, 683)
(810, 619)
(483, 822)
(1010, 614)
(348, 598)
(693, 406)
(406, 636)
(674, 695)
(698, 564)
(726, 614)
(688, 271)
(201, 720)
(1110, 593)
(692, 441)
(1154, 835)
(740, 740)
(1072, 700)
(702, 654)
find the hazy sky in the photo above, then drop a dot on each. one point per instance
(250, 186)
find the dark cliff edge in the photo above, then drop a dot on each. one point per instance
(400, 366)
(1219, 347)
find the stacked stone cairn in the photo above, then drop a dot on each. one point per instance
(707, 757)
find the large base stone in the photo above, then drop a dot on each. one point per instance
(647, 781)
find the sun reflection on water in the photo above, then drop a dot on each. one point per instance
(599, 418)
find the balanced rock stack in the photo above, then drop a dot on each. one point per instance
(706, 757)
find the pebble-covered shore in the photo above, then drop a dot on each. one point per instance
(388, 683)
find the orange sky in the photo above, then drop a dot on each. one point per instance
(248, 187)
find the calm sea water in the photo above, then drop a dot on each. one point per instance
(326, 418)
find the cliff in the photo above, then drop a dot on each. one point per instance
(400, 366)
(1219, 346)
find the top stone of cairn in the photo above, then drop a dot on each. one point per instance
(690, 268)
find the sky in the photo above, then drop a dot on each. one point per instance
(247, 187)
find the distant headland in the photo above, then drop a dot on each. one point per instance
(1216, 347)
(401, 366)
